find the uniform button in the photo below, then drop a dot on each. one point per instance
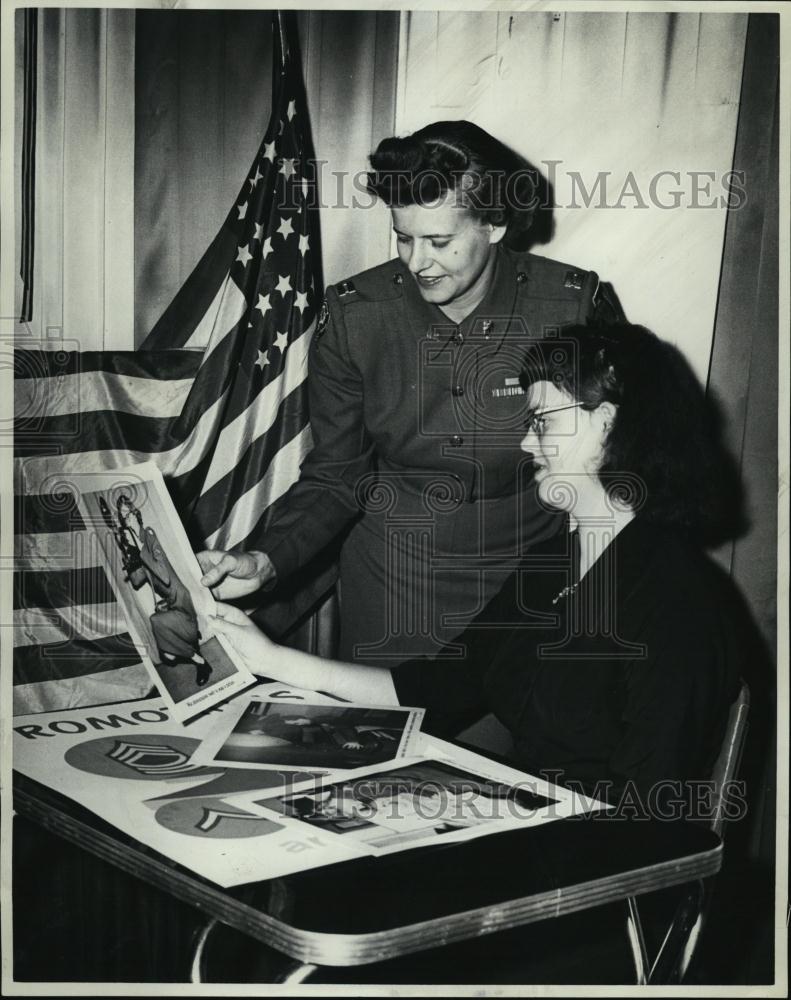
(521, 277)
(458, 390)
(487, 327)
(398, 279)
(457, 337)
(457, 440)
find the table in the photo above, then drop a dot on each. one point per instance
(455, 892)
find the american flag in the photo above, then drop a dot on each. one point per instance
(216, 396)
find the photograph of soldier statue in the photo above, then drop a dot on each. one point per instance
(173, 622)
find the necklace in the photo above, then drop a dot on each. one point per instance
(566, 592)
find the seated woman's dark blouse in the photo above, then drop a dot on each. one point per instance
(626, 680)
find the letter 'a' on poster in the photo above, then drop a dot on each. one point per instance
(143, 547)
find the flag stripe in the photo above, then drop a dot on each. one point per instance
(45, 551)
(229, 361)
(62, 588)
(103, 430)
(237, 436)
(73, 658)
(162, 444)
(47, 625)
(41, 475)
(182, 317)
(138, 432)
(108, 687)
(249, 508)
(91, 391)
(213, 380)
(223, 314)
(289, 422)
(161, 366)
(44, 513)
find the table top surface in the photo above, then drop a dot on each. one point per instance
(371, 909)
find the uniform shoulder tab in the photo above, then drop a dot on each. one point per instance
(574, 279)
(385, 281)
(346, 288)
(555, 279)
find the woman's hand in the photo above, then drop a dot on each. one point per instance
(256, 649)
(234, 574)
(352, 682)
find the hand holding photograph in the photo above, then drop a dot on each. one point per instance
(156, 579)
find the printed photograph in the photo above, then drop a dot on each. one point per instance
(155, 577)
(412, 806)
(278, 734)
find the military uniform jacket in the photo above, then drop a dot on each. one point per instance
(404, 403)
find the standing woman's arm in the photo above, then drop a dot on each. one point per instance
(317, 508)
(324, 500)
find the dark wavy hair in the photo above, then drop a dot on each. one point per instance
(496, 184)
(663, 453)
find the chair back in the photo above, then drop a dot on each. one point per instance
(676, 951)
(726, 767)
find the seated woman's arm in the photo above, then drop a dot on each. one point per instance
(450, 686)
(351, 681)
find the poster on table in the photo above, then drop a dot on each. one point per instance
(265, 733)
(133, 765)
(156, 579)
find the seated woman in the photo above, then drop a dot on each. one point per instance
(613, 652)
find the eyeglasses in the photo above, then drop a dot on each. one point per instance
(536, 424)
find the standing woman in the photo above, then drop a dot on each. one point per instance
(415, 403)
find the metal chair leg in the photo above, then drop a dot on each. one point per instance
(297, 972)
(198, 964)
(634, 931)
(675, 952)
